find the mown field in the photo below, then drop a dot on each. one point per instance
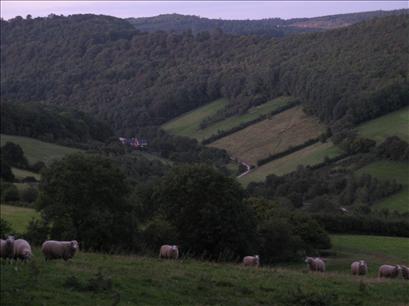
(391, 170)
(189, 124)
(270, 136)
(310, 155)
(18, 217)
(393, 124)
(20, 174)
(101, 279)
(36, 150)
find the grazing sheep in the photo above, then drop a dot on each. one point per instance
(405, 272)
(389, 271)
(53, 249)
(251, 261)
(22, 250)
(315, 264)
(359, 267)
(169, 251)
(6, 247)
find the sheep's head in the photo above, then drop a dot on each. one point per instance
(309, 260)
(27, 254)
(74, 245)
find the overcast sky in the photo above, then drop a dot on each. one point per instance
(210, 9)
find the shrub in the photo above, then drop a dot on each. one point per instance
(5, 228)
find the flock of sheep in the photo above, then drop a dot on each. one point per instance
(12, 248)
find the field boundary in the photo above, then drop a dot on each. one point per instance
(242, 126)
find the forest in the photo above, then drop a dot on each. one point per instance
(343, 76)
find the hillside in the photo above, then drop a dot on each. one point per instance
(132, 79)
(36, 150)
(393, 124)
(313, 154)
(289, 128)
(271, 27)
(391, 170)
(101, 279)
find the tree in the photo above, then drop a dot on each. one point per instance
(5, 172)
(207, 211)
(83, 197)
(13, 154)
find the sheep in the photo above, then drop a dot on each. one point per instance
(251, 261)
(6, 248)
(53, 249)
(359, 267)
(169, 251)
(315, 264)
(389, 271)
(405, 272)
(22, 250)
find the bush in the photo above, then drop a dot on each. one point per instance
(13, 154)
(37, 231)
(158, 232)
(208, 212)
(9, 193)
(5, 172)
(5, 228)
(29, 195)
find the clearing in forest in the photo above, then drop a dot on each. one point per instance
(391, 170)
(310, 155)
(271, 136)
(37, 150)
(189, 124)
(392, 124)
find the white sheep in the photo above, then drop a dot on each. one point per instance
(359, 267)
(53, 249)
(169, 251)
(251, 261)
(389, 271)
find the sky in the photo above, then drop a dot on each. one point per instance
(209, 9)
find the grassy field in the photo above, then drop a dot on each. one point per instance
(18, 217)
(270, 136)
(188, 124)
(36, 150)
(20, 174)
(97, 279)
(395, 123)
(389, 170)
(310, 155)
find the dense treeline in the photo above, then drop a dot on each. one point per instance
(52, 123)
(196, 207)
(271, 27)
(323, 190)
(131, 79)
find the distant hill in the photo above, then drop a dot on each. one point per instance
(103, 66)
(270, 27)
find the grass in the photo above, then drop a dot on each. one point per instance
(389, 170)
(392, 124)
(36, 150)
(188, 124)
(310, 155)
(20, 174)
(18, 217)
(150, 281)
(270, 136)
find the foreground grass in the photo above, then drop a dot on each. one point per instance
(149, 281)
(393, 124)
(310, 155)
(18, 217)
(391, 170)
(36, 150)
(188, 124)
(289, 128)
